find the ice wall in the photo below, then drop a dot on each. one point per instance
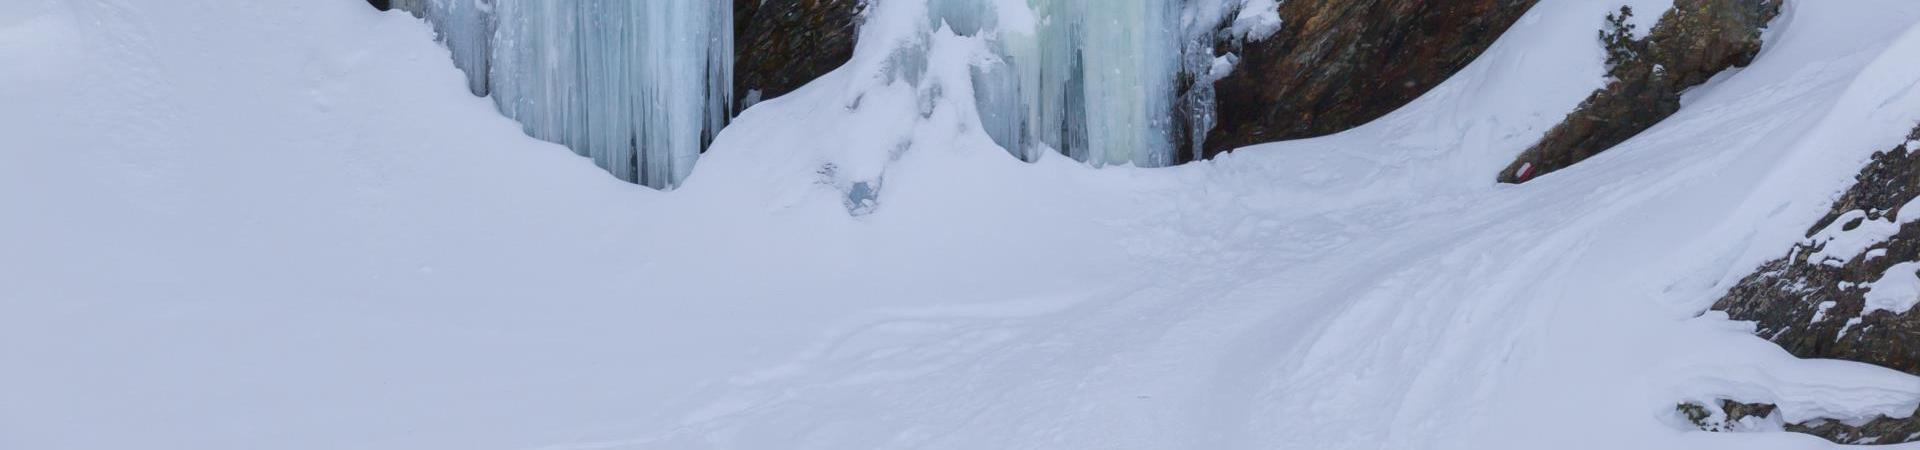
(642, 86)
(1102, 81)
(638, 86)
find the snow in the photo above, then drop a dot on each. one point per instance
(1257, 19)
(466, 27)
(289, 224)
(1820, 311)
(1853, 233)
(1896, 291)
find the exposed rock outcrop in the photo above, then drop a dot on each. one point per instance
(1815, 302)
(1335, 65)
(1848, 291)
(781, 45)
(1694, 41)
(1732, 416)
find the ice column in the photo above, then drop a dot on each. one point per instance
(638, 86)
(1103, 81)
(1094, 79)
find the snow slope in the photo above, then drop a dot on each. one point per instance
(286, 224)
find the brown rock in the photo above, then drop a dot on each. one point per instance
(1335, 65)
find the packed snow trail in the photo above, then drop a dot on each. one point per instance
(218, 236)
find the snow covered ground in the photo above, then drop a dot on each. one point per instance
(286, 224)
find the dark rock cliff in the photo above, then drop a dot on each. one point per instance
(1336, 65)
(1694, 41)
(780, 45)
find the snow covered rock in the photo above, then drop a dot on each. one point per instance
(1694, 41)
(1838, 294)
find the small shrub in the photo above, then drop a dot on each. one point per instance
(1618, 38)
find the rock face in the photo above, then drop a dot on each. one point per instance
(782, 44)
(1692, 42)
(1840, 294)
(1814, 302)
(1335, 65)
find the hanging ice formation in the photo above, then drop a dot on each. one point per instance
(1093, 79)
(639, 86)
(1102, 81)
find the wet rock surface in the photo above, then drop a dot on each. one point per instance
(1694, 41)
(1335, 65)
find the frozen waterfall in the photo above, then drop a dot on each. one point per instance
(1106, 82)
(641, 87)
(1092, 79)
(638, 86)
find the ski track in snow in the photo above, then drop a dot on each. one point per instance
(1428, 306)
(1364, 290)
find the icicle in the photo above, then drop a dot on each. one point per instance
(638, 86)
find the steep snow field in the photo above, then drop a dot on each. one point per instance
(286, 224)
